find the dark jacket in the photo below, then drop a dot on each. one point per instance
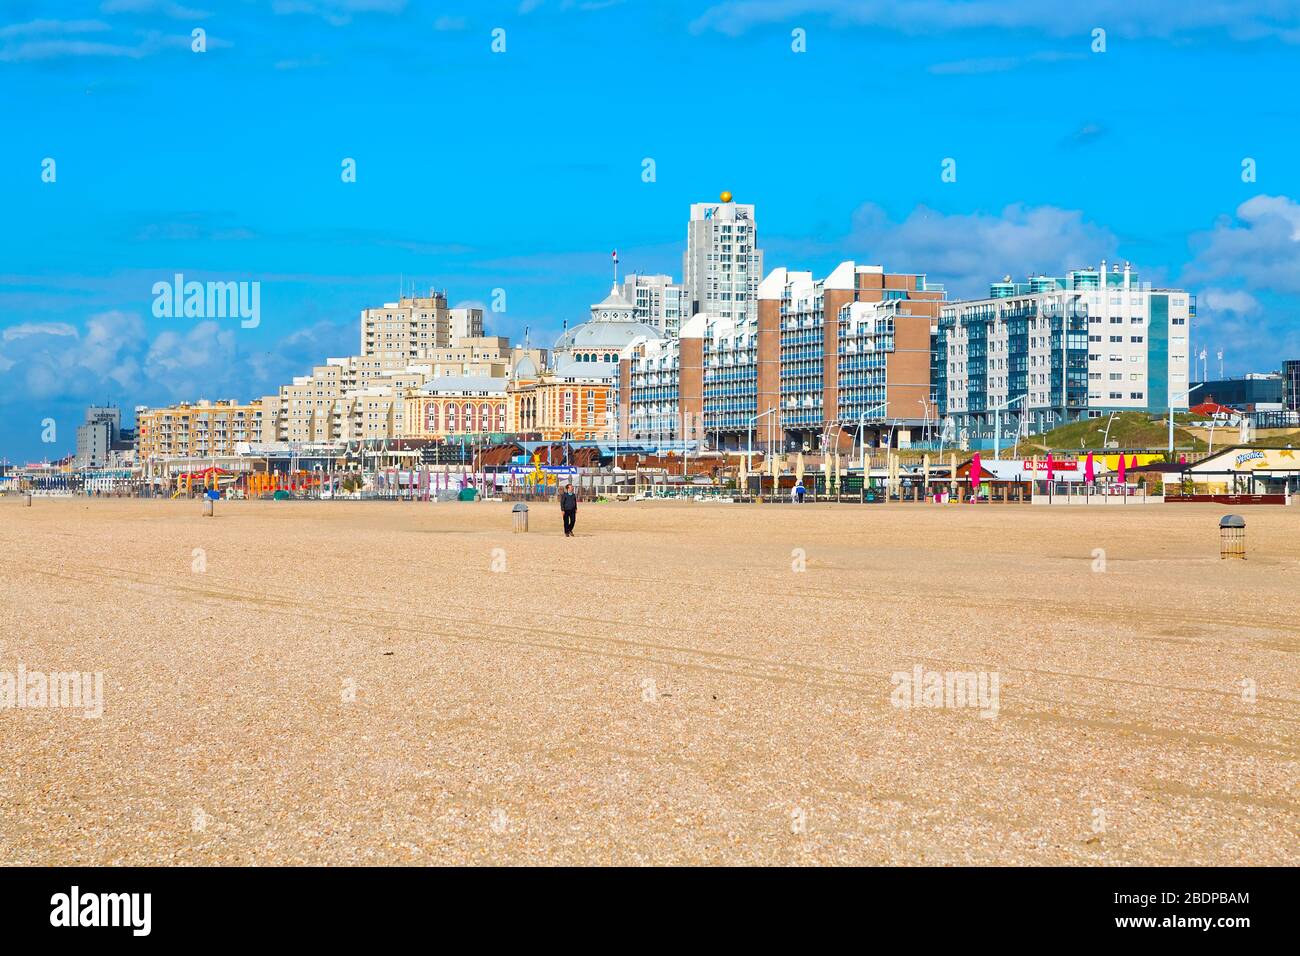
(568, 501)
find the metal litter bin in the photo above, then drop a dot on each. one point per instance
(1232, 537)
(519, 517)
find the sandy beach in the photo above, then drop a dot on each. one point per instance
(384, 683)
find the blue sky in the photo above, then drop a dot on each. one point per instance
(522, 170)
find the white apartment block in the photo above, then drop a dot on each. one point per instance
(722, 265)
(1057, 350)
(660, 302)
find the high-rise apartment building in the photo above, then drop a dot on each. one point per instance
(820, 361)
(412, 325)
(98, 437)
(722, 265)
(1052, 350)
(660, 302)
(200, 430)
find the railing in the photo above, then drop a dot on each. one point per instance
(1091, 493)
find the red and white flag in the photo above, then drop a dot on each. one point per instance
(614, 255)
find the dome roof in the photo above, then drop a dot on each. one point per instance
(525, 368)
(611, 335)
(615, 300)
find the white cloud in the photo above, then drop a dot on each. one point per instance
(336, 12)
(968, 251)
(1229, 300)
(1259, 248)
(151, 362)
(165, 8)
(23, 330)
(1001, 64)
(148, 44)
(1244, 20)
(57, 27)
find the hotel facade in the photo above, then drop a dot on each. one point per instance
(722, 265)
(1049, 350)
(820, 360)
(200, 430)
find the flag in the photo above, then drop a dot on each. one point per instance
(614, 255)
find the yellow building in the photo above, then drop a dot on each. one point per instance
(457, 405)
(200, 430)
(562, 404)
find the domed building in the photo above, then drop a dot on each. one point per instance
(526, 370)
(593, 348)
(574, 399)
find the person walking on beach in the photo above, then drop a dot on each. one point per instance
(569, 508)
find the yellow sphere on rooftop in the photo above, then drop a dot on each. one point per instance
(726, 196)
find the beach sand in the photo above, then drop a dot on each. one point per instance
(340, 682)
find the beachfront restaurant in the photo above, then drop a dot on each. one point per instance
(1267, 473)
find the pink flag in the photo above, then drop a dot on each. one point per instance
(1089, 475)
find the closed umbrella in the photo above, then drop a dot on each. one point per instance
(975, 470)
(1089, 475)
(1051, 471)
(1121, 469)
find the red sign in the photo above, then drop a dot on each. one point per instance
(1057, 464)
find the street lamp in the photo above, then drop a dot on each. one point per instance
(749, 441)
(862, 445)
(925, 422)
(1187, 394)
(997, 424)
(1105, 439)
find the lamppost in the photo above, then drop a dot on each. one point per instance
(925, 422)
(862, 445)
(1187, 394)
(997, 424)
(1105, 438)
(749, 440)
